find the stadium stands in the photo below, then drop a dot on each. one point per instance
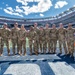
(65, 17)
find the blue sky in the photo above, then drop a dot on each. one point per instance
(34, 8)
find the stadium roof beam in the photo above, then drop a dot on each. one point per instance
(65, 12)
(57, 16)
(72, 9)
(60, 14)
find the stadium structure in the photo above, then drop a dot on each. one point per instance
(65, 17)
(43, 64)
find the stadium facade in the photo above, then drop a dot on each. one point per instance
(65, 17)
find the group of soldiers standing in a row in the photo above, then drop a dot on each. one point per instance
(40, 39)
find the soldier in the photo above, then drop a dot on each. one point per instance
(5, 35)
(42, 40)
(1, 43)
(36, 29)
(62, 37)
(53, 38)
(14, 38)
(22, 39)
(47, 37)
(32, 40)
(70, 39)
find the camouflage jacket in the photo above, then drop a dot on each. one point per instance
(14, 33)
(5, 33)
(70, 33)
(61, 33)
(47, 33)
(22, 34)
(32, 35)
(54, 33)
(42, 35)
(37, 32)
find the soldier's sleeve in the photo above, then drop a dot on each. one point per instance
(34, 35)
(2, 32)
(18, 33)
(57, 34)
(65, 33)
(49, 32)
(44, 32)
(25, 34)
(9, 33)
(38, 32)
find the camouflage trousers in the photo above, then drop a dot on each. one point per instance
(62, 42)
(36, 46)
(14, 44)
(53, 45)
(33, 45)
(70, 44)
(1, 46)
(30, 45)
(6, 42)
(22, 43)
(42, 45)
(47, 44)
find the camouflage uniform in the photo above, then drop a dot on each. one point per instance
(42, 41)
(32, 41)
(53, 40)
(5, 34)
(37, 38)
(61, 38)
(14, 38)
(22, 35)
(1, 43)
(70, 40)
(47, 39)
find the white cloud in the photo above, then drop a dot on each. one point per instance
(42, 6)
(41, 15)
(25, 2)
(60, 4)
(10, 11)
(18, 9)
